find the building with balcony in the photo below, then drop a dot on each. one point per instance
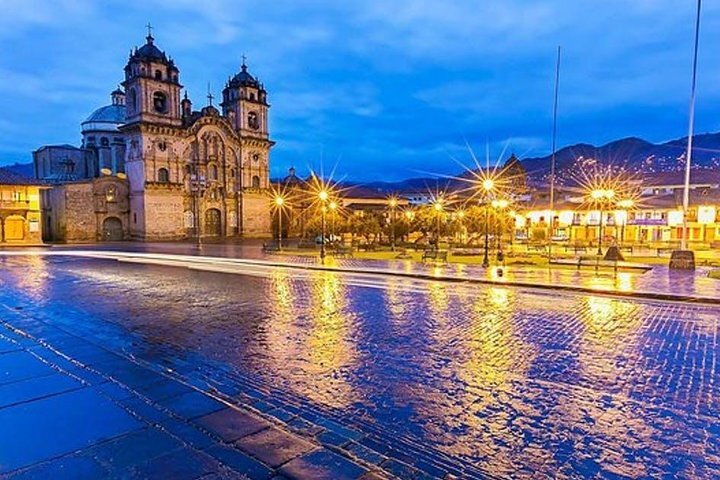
(20, 222)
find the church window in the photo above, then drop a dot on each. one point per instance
(104, 142)
(187, 169)
(160, 102)
(255, 181)
(162, 146)
(213, 172)
(175, 78)
(158, 75)
(232, 173)
(163, 175)
(256, 157)
(253, 120)
(252, 96)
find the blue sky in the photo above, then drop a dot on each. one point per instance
(385, 90)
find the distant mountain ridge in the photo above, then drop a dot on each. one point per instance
(634, 154)
(638, 155)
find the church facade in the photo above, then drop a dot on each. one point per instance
(152, 168)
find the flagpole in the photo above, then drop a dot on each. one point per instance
(554, 148)
(691, 128)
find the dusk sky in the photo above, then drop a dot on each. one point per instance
(384, 89)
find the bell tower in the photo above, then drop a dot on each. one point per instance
(152, 86)
(245, 104)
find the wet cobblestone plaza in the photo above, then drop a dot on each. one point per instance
(374, 376)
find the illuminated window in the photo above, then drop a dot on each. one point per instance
(111, 194)
(255, 181)
(163, 175)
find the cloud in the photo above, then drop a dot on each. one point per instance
(390, 87)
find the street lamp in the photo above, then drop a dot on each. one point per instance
(323, 195)
(488, 184)
(279, 204)
(392, 203)
(438, 206)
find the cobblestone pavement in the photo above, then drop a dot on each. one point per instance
(405, 378)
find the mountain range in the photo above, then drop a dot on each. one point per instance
(631, 154)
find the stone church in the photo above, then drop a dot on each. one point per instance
(152, 168)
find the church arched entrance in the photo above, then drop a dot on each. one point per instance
(213, 223)
(112, 230)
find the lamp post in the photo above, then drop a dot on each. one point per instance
(438, 209)
(488, 184)
(323, 195)
(602, 198)
(392, 203)
(279, 204)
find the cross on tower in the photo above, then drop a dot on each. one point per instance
(209, 96)
(244, 59)
(149, 27)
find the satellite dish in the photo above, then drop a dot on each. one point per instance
(106, 171)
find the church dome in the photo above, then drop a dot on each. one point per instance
(107, 118)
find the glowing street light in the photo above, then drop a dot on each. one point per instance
(602, 197)
(279, 202)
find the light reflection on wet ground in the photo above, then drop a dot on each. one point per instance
(498, 377)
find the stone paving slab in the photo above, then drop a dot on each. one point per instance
(115, 418)
(49, 427)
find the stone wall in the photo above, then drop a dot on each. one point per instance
(256, 219)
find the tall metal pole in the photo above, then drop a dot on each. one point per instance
(322, 238)
(691, 127)
(554, 149)
(486, 258)
(392, 229)
(280, 229)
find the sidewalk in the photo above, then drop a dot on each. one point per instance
(71, 408)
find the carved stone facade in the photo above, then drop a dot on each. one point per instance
(186, 170)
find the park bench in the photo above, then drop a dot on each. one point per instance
(435, 255)
(536, 248)
(595, 261)
(343, 251)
